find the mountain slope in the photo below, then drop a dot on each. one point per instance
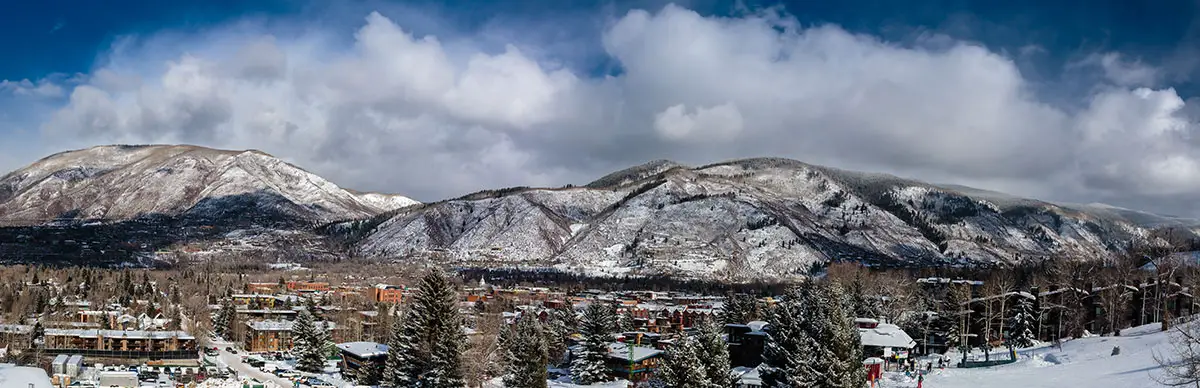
(127, 182)
(752, 218)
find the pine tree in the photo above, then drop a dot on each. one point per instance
(863, 305)
(369, 373)
(812, 341)
(842, 340)
(714, 354)
(740, 309)
(596, 327)
(682, 367)
(402, 360)
(561, 325)
(430, 337)
(1020, 325)
(525, 354)
(305, 344)
(324, 339)
(624, 322)
(223, 322)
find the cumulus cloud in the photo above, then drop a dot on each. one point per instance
(721, 122)
(435, 117)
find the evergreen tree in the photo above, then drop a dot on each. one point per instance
(596, 327)
(431, 338)
(560, 326)
(714, 354)
(740, 309)
(525, 354)
(1021, 324)
(812, 341)
(324, 338)
(682, 367)
(402, 359)
(369, 374)
(309, 352)
(863, 304)
(223, 323)
(624, 322)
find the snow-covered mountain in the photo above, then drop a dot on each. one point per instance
(115, 183)
(752, 218)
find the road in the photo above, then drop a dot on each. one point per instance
(234, 362)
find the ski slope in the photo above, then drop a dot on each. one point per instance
(1085, 362)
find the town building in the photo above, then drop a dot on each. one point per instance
(883, 340)
(16, 336)
(266, 314)
(384, 293)
(275, 336)
(256, 301)
(263, 288)
(632, 362)
(25, 376)
(628, 361)
(359, 355)
(121, 343)
(299, 286)
(746, 343)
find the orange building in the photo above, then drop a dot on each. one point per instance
(307, 286)
(383, 293)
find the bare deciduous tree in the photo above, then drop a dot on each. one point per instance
(1181, 368)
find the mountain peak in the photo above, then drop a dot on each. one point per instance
(635, 173)
(117, 182)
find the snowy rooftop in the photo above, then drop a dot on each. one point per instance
(886, 335)
(135, 334)
(748, 376)
(364, 349)
(12, 376)
(948, 280)
(621, 351)
(259, 296)
(282, 325)
(265, 311)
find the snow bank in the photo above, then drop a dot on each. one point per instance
(1084, 362)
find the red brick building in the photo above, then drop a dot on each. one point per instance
(383, 293)
(307, 286)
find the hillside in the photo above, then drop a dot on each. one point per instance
(113, 205)
(116, 183)
(743, 219)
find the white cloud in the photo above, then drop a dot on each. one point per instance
(25, 87)
(721, 122)
(435, 117)
(1121, 71)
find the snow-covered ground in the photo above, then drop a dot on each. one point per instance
(1084, 362)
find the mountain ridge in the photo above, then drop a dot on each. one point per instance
(725, 218)
(740, 219)
(121, 182)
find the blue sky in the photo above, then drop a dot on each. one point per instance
(69, 36)
(1082, 101)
